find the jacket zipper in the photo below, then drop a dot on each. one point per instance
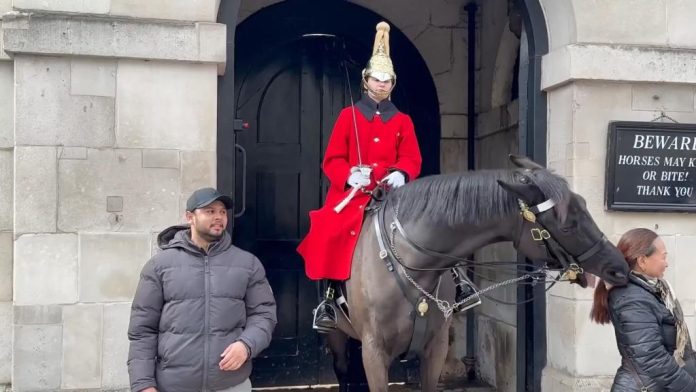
(206, 324)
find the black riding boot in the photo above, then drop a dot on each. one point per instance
(464, 289)
(325, 313)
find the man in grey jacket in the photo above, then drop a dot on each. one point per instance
(203, 307)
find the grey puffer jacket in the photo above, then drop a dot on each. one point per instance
(189, 306)
(646, 336)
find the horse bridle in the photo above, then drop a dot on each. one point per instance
(571, 264)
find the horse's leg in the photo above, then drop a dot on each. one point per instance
(433, 359)
(337, 342)
(376, 363)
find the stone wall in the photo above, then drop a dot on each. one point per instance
(114, 125)
(6, 206)
(600, 70)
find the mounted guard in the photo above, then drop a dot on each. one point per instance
(372, 142)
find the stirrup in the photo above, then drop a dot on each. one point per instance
(321, 328)
(467, 288)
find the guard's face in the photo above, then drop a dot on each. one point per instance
(210, 221)
(378, 89)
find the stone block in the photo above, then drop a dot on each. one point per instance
(110, 265)
(560, 22)
(36, 364)
(492, 121)
(35, 189)
(411, 16)
(496, 352)
(607, 22)
(150, 196)
(493, 150)
(189, 10)
(72, 6)
(668, 98)
(82, 346)
(556, 380)
(448, 13)
(624, 63)
(153, 113)
(450, 93)
(587, 186)
(595, 105)
(3, 55)
(569, 325)
(165, 159)
(47, 114)
(72, 153)
(91, 76)
(5, 343)
(454, 126)
(680, 22)
(430, 43)
(198, 170)
(560, 120)
(682, 224)
(595, 346)
(5, 6)
(452, 85)
(45, 269)
(6, 104)
(38, 314)
(6, 242)
(79, 35)
(212, 40)
(560, 333)
(453, 155)
(115, 340)
(503, 74)
(6, 190)
(684, 250)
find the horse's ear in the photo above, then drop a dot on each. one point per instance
(524, 162)
(520, 191)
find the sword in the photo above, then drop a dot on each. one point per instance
(364, 169)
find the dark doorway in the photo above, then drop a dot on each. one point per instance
(289, 83)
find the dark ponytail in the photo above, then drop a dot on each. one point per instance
(600, 307)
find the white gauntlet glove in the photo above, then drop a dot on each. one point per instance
(395, 180)
(358, 179)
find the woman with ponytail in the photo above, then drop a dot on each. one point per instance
(651, 334)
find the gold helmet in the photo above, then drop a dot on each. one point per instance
(380, 65)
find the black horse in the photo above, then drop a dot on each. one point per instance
(425, 228)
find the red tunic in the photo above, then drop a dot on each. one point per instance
(386, 146)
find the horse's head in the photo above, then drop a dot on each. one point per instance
(564, 216)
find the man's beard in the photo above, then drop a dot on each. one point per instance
(379, 95)
(208, 236)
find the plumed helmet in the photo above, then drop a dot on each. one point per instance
(380, 65)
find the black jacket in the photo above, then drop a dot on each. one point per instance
(646, 335)
(189, 306)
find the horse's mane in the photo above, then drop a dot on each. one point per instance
(471, 197)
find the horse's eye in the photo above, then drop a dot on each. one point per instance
(524, 179)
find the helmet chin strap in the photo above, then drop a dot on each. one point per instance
(378, 94)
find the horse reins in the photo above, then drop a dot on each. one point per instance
(571, 268)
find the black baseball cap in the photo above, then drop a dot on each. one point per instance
(205, 196)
